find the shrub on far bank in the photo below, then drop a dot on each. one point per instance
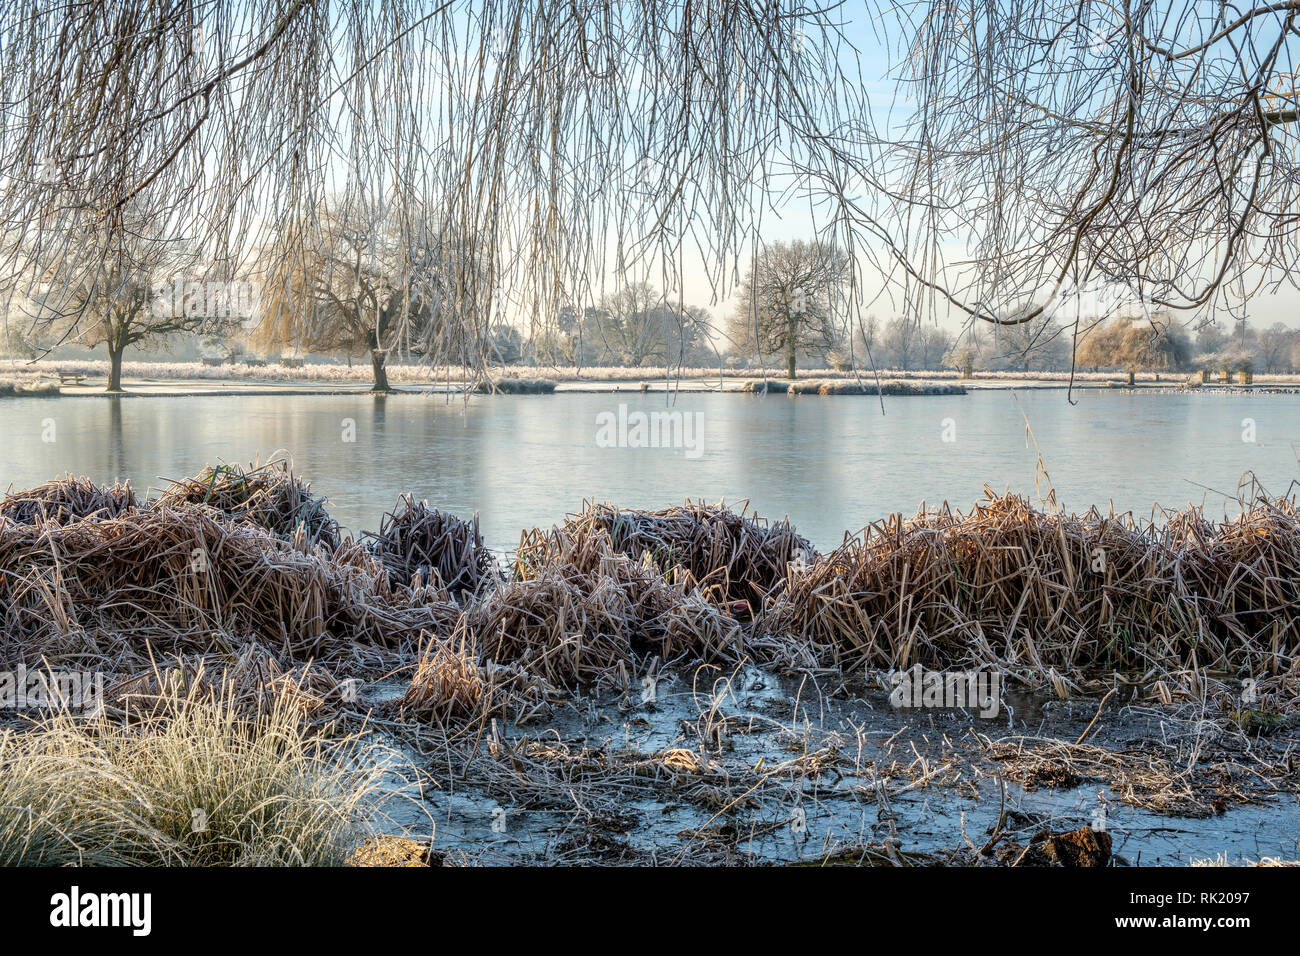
(29, 386)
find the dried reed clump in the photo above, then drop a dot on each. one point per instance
(583, 612)
(180, 578)
(440, 547)
(254, 680)
(451, 687)
(269, 496)
(736, 560)
(1049, 594)
(68, 498)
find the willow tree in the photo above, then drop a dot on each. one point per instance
(1038, 148)
(566, 141)
(359, 281)
(1059, 148)
(1129, 342)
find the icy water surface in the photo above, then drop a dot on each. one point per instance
(830, 463)
(834, 775)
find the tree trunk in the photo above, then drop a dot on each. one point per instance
(114, 368)
(377, 357)
(789, 347)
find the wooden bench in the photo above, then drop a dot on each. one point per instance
(73, 378)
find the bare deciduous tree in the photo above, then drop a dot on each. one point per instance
(566, 140)
(133, 291)
(639, 325)
(787, 303)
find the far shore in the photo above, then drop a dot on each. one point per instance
(179, 379)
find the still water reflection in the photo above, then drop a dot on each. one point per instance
(830, 464)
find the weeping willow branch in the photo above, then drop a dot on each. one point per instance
(529, 160)
(568, 148)
(1057, 147)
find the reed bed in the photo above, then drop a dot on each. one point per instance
(186, 579)
(1044, 595)
(253, 680)
(866, 385)
(1188, 608)
(580, 611)
(67, 498)
(442, 549)
(821, 387)
(516, 386)
(452, 688)
(268, 495)
(734, 559)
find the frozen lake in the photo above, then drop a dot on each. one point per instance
(830, 463)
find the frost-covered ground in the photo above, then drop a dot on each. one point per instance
(399, 372)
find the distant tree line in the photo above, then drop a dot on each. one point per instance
(358, 281)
